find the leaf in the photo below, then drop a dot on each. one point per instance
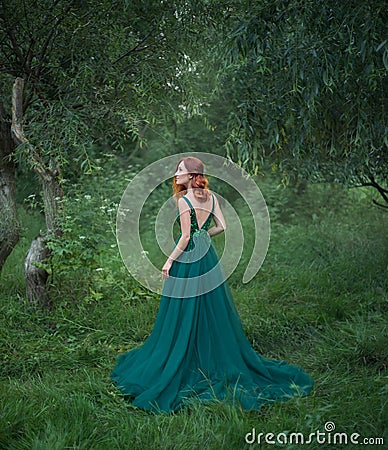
(381, 45)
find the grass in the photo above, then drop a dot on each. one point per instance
(319, 301)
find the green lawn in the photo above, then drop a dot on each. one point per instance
(319, 301)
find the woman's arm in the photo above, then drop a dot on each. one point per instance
(219, 219)
(184, 213)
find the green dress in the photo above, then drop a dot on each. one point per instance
(197, 350)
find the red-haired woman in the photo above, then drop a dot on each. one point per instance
(197, 351)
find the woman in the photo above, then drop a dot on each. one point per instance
(197, 350)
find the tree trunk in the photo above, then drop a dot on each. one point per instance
(36, 276)
(52, 195)
(9, 223)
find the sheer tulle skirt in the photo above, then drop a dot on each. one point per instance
(197, 350)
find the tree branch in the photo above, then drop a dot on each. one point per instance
(135, 48)
(17, 111)
(49, 37)
(379, 188)
(379, 204)
(17, 127)
(373, 183)
(11, 35)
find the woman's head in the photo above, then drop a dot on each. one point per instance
(189, 173)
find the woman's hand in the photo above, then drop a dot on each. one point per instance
(166, 268)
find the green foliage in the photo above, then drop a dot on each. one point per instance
(85, 264)
(99, 72)
(307, 84)
(301, 84)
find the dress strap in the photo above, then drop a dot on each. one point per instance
(191, 206)
(188, 201)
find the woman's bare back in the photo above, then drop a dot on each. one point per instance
(202, 209)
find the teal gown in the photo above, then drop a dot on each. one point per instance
(197, 350)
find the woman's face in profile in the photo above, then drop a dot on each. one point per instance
(181, 175)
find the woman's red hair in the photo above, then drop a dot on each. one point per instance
(199, 182)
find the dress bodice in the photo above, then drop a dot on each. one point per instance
(193, 219)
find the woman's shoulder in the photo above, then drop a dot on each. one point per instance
(213, 196)
(184, 201)
(195, 201)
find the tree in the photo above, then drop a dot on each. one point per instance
(307, 83)
(88, 73)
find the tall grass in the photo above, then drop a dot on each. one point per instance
(319, 301)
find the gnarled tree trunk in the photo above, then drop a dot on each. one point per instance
(9, 223)
(36, 277)
(35, 274)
